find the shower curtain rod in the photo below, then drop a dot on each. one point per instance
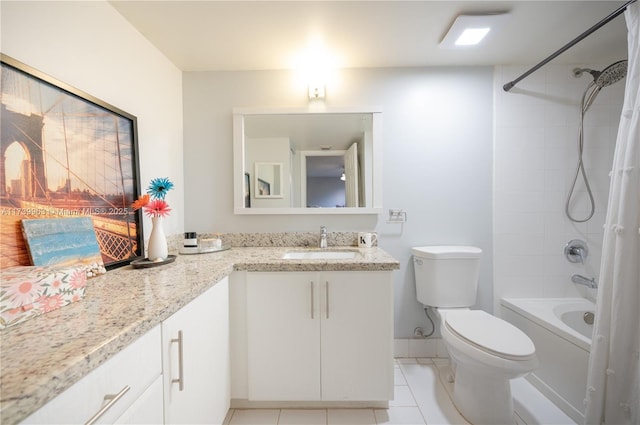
(570, 44)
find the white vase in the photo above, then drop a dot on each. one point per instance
(157, 241)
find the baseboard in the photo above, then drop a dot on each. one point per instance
(252, 404)
(419, 347)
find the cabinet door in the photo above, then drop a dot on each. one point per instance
(195, 343)
(283, 336)
(357, 336)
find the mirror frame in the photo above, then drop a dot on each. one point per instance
(239, 154)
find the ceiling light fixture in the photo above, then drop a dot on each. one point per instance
(472, 36)
(470, 30)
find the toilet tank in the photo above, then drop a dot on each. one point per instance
(446, 276)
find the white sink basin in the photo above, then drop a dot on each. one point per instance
(320, 255)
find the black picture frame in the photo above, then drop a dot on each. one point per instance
(247, 190)
(79, 158)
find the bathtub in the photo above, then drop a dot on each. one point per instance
(563, 340)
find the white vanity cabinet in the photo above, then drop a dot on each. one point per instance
(319, 336)
(122, 388)
(195, 357)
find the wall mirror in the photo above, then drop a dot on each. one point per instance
(301, 161)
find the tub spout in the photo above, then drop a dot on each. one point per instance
(581, 280)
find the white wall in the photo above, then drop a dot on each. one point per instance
(91, 47)
(536, 134)
(437, 126)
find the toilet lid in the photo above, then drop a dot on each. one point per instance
(490, 333)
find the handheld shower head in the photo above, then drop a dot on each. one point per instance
(601, 79)
(610, 75)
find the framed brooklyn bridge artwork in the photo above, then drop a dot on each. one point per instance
(65, 154)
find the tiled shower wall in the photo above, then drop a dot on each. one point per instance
(535, 157)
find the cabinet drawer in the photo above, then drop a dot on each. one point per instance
(136, 366)
(148, 409)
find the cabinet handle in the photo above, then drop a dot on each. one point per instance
(180, 380)
(326, 294)
(111, 399)
(312, 301)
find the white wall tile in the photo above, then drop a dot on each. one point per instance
(536, 134)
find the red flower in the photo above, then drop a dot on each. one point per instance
(157, 208)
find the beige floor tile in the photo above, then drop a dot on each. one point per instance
(303, 417)
(255, 417)
(399, 415)
(351, 417)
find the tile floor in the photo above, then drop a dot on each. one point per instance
(421, 397)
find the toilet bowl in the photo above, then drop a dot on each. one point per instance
(486, 352)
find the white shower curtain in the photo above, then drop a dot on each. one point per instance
(613, 387)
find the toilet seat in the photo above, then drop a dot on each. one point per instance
(490, 334)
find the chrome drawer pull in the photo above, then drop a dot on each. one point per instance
(327, 298)
(111, 399)
(180, 380)
(312, 301)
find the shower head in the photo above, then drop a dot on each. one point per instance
(601, 79)
(610, 75)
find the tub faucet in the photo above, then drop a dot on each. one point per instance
(323, 236)
(576, 251)
(581, 280)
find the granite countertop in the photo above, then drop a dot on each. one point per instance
(45, 355)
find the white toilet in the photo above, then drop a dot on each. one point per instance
(486, 351)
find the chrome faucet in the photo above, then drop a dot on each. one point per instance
(581, 280)
(323, 236)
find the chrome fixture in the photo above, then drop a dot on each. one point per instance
(581, 280)
(601, 79)
(589, 317)
(610, 75)
(576, 251)
(323, 236)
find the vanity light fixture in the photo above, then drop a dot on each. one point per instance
(470, 30)
(315, 66)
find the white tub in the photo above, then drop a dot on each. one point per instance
(563, 341)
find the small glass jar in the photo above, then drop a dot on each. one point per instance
(190, 240)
